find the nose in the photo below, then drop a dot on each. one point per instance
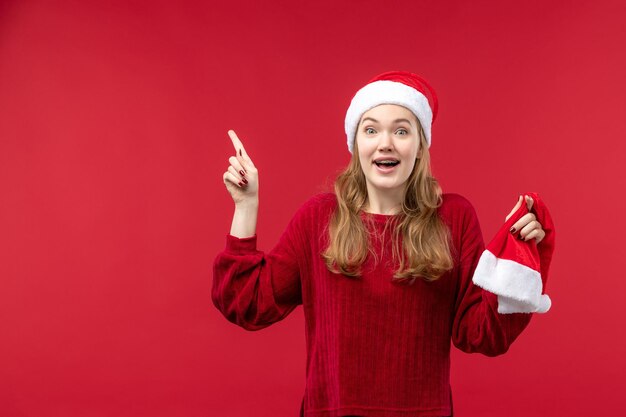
(386, 142)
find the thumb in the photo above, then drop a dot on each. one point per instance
(518, 205)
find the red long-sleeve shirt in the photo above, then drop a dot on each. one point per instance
(375, 348)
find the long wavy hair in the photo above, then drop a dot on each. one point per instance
(425, 244)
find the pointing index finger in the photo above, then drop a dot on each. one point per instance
(236, 142)
(240, 151)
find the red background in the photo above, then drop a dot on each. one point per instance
(113, 142)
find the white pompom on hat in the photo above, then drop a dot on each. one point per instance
(393, 87)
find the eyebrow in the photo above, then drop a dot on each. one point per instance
(395, 121)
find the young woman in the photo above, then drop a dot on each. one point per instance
(383, 266)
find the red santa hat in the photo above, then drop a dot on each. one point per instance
(394, 87)
(517, 270)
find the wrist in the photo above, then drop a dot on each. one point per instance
(248, 205)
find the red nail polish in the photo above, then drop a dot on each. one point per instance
(512, 230)
(244, 180)
(240, 184)
(242, 173)
(240, 154)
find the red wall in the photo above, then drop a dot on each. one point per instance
(113, 142)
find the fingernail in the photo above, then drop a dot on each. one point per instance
(520, 237)
(243, 174)
(240, 154)
(244, 180)
(240, 184)
(512, 230)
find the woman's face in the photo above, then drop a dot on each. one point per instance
(388, 132)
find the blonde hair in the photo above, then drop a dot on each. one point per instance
(426, 243)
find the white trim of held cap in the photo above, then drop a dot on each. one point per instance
(518, 287)
(387, 92)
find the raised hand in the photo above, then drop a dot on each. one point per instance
(241, 178)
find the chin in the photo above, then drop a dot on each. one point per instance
(386, 185)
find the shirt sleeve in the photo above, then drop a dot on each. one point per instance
(254, 289)
(477, 325)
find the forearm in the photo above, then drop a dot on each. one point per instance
(245, 219)
(480, 328)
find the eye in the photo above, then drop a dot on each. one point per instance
(369, 130)
(402, 131)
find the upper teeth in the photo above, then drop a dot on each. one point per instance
(386, 161)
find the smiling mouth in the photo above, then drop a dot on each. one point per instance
(386, 164)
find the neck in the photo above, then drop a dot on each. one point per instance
(384, 201)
